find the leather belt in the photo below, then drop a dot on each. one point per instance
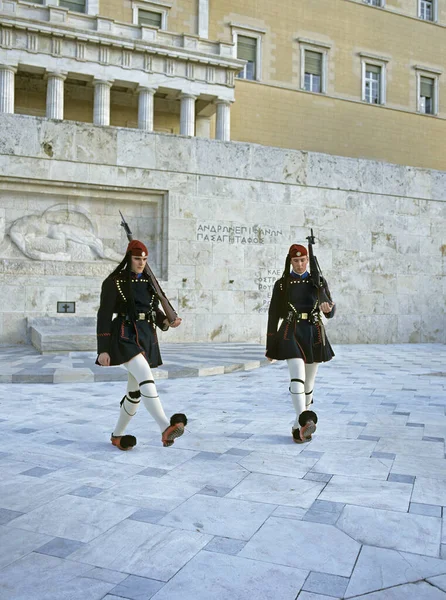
(139, 316)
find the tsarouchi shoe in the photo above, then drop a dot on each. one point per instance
(123, 442)
(297, 438)
(175, 429)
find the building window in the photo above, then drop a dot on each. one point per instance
(74, 5)
(426, 101)
(313, 71)
(34, 1)
(149, 17)
(375, 2)
(373, 84)
(427, 90)
(427, 10)
(151, 14)
(247, 50)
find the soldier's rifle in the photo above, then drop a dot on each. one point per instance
(169, 311)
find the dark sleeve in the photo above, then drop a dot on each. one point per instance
(331, 314)
(160, 316)
(105, 315)
(274, 311)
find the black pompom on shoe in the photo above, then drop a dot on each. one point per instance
(123, 442)
(178, 418)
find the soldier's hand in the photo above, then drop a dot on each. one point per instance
(176, 323)
(104, 359)
(326, 307)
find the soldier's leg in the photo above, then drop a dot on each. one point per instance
(170, 429)
(310, 376)
(128, 408)
(296, 367)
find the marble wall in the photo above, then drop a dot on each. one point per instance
(218, 218)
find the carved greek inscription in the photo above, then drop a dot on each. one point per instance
(236, 234)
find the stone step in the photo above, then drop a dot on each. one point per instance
(51, 335)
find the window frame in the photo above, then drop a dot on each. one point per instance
(433, 74)
(376, 61)
(382, 3)
(84, 12)
(434, 11)
(161, 8)
(251, 32)
(320, 48)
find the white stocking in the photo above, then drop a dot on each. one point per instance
(310, 376)
(139, 368)
(296, 367)
(129, 406)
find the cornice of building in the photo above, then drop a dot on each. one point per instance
(59, 22)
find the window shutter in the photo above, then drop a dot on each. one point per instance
(373, 69)
(426, 87)
(147, 17)
(246, 48)
(313, 62)
(75, 5)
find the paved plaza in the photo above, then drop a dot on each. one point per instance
(234, 510)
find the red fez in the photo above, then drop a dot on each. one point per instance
(137, 248)
(297, 250)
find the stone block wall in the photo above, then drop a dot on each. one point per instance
(219, 218)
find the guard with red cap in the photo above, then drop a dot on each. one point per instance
(130, 339)
(300, 339)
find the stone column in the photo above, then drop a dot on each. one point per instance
(55, 95)
(223, 121)
(187, 114)
(101, 110)
(7, 79)
(146, 108)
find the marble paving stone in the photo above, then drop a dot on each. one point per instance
(225, 545)
(210, 490)
(155, 457)
(153, 472)
(379, 568)
(275, 542)
(310, 596)
(8, 515)
(428, 490)
(24, 494)
(439, 582)
(50, 578)
(390, 529)
(224, 517)
(322, 583)
(37, 472)
(420, 591)
(345, 447)
(95, 473)
(323, 477)
(414, 447)
(368, 492)
(73, 517)
(151, 550)
(400, 478)
(287, 491)
(290, 512)
(374, 468)
(420, 466)
(137, 588)
(59, 547)
(429, 510)
(162, 494)
(201, 579)
(274, 464)
(19, 544)
(106, 575)
(147, 515)
(86, 491)
(213, 473)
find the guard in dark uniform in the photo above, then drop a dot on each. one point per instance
(126, 331)
(301, 338)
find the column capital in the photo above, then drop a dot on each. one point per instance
(56, 75)
(146, 88)
(187, 95)
(222, 101)
(107, 82)
(11, 68)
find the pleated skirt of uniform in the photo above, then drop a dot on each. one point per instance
(300, 340)
(132, 338)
